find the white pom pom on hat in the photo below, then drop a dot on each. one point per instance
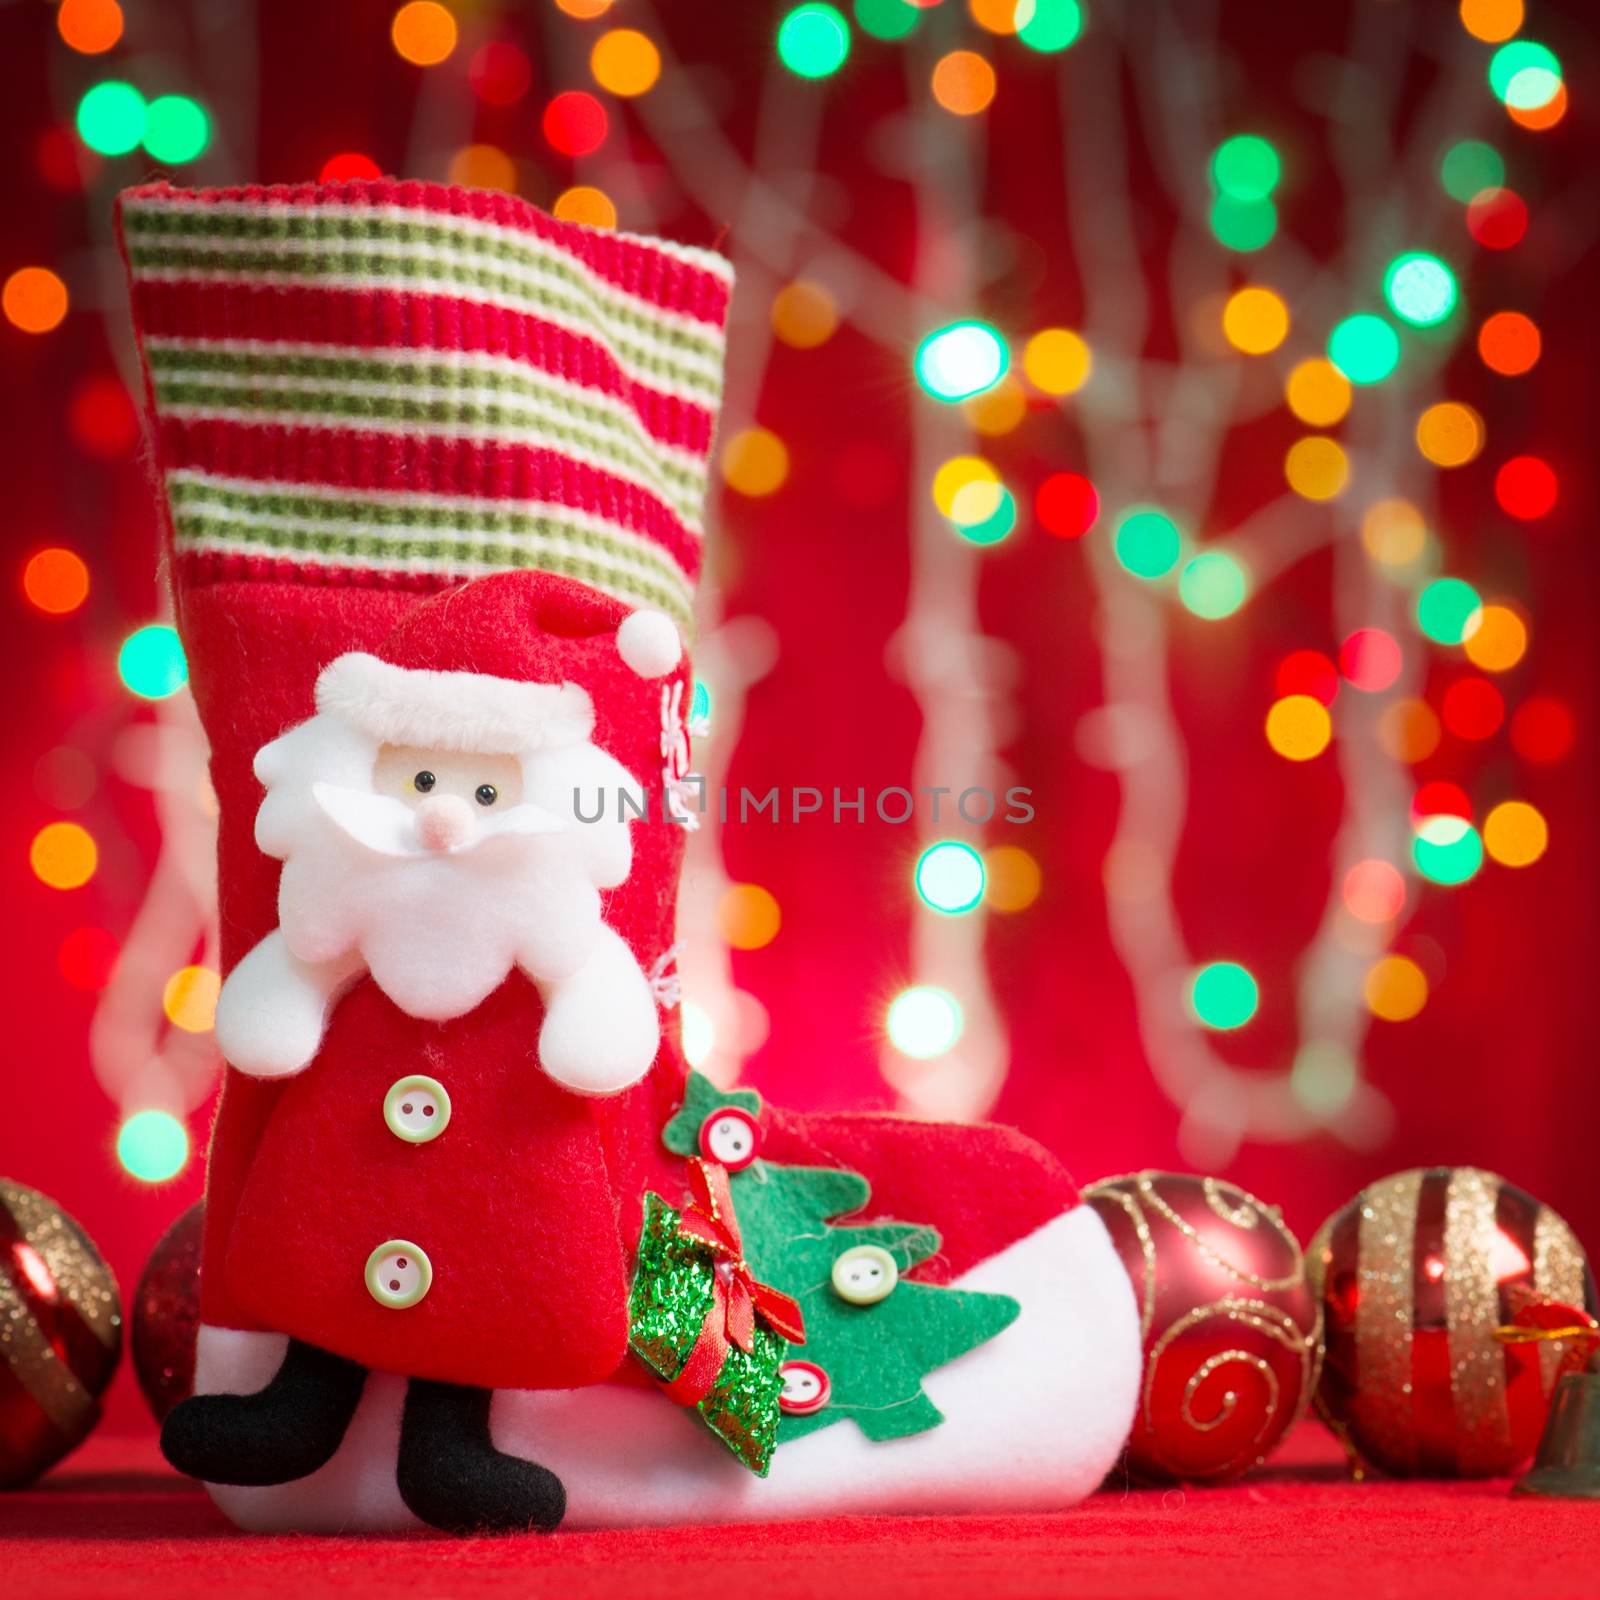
(648, 643)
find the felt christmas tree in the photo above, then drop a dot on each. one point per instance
(873, 1340)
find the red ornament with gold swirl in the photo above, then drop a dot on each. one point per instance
(1232, 1328)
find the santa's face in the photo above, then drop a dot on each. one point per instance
(452, 793)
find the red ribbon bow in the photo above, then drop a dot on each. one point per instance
(736, 1297)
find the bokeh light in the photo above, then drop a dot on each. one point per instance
(1048, 25)
(1394, 532)
(998, 410)
(1317, 468)
(176, 129)
(348, 164)
(1447, 850)
(924, 1022)
(1374, 891)
(585, 204)
(1509, 343)
(1542, 116)
(950, 877)
(1223, 995)
(584, 10)
(813, 41)
(1318, 393)
(1213, 585)
(1255, 320)
(1299, 727)
(56, 581)
(1148, 543)
(1448, 609)
(1440, 799)
(111, 118)
(963, 83)
(87, 957)
(1524, 74)
(1491, 20)
(748, 916)
(1470, 167)
(1370, 659)
(190, 998)
(63, 855)
(574, 123)
(1323, 1077)
(1246, 167)
(153, 1146)
(151, 662)
(887, 19)
(1395, 988)
(1527, 488)
(1409, 730)
(1420, 289)
(34, 299)
(984, 512)
(483, 166)
(1012, 879)
(1497, 219)
(625, 62)
(1472, 708)
(1364, 348)
(1542, 730)
(755, 462)
(500, 73)
(1057, 361)
(994, 16)
(90, 27)
(961, 360)
(699, 1033)
(1307, 672)
(424, 33)
(1450, 434)
(1515, 834)
(804, 314)
(1243, 225)
(1067, 505)
(1499, 641)
(957, 474)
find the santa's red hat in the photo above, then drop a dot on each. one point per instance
(502, 665)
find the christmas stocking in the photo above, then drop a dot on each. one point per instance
(478, 1250)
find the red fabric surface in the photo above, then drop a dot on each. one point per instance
(115, 1522)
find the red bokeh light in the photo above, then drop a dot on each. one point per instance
(1370, 659)
(574, 123)
(1526, 488)
(1542, 729)
(1497, 219)
(1307, 672)
(1067, 505)
(87, 958)
(1473, 708)
(499, 73)
(349, 164)
(64, 162)
(101, 417)
(1440, 799)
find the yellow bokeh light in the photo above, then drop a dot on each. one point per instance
(483, 166)
(755, 461)
(1394, 533)
(1409, 730)
(963, 83)
(1317, 468)
(586, 204)
(805, 313)
(1395, 988)
(975, 502)
(424, 32)
(1057, 361)
(997, 410)
(997, 16)
(1011, 878)
(63, 855)
(1515, 834)
(1450, 434)
(1318, 393)
(34, 299)
(625, 62)
(955, 475)
(584, 10)
(748, 916)
(1255, 320)
(1299, 727)
(1491, 20)
(190, 999)
(1499, 641)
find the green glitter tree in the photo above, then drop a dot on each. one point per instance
(875, 1355)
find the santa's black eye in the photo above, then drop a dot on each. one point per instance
(423, 782)
(486, 794)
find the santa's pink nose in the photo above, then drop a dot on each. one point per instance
(444, 822)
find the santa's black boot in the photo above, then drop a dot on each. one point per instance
(451, 1475)
(280, 1433)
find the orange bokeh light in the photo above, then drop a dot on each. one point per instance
(56, 581)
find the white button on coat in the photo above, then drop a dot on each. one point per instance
(864, 1275)
(416, 1108)
(730, 1136)
(399, 1274)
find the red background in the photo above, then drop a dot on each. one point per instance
(1499, 1068)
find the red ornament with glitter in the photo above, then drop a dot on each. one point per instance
(1453, 1301)
(1231, 1324)
(164, 1322)
(60, 1333)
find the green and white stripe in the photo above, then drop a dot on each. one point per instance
(442, 536)
(463, 395)
(427, 252)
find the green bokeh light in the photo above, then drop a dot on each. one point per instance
(1243, 224)
(1147, 543)
(1447, 849)
(1246, 167)
(700, 702)
(1524, 74)
(1213, 585)
(1420, 289)
(1364, 348)
(151, 662)
(176, 129)
(813, 40)
(887, 19)
(950, 877)
(994, 527)
(1048, 25)
(153, 1146)
(1470, 167)
(1224, 995)
(1448, 609)
(111, 118)
(961, 360)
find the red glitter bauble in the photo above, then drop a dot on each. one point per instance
(166, 1314)
(62, 1333)
(1423, 1277)
(1230, 1322)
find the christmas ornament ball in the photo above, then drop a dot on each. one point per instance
(165, 1319)
(60, 1333)
(1232, 1332)
(1430, 1280)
